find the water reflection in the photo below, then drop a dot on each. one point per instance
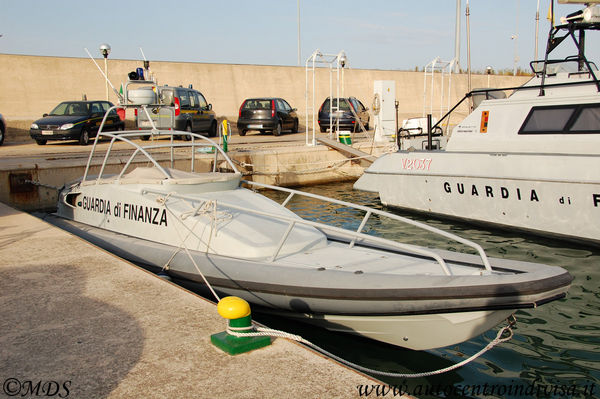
(554, 352)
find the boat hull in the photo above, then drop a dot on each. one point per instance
(416, 332)
(552, 195)
(404, 310)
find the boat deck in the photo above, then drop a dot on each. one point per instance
(336, 256)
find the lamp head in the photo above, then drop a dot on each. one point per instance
(343, 59)
(105, 49)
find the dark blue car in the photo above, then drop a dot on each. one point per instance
(345, 113)
(75, 120)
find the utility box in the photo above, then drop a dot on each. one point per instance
(384, 108)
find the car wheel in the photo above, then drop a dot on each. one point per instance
(277, 130)
(367, 126)
(41, 141)
(188, 129)
(212, 132)
(323, 129)
(295, 128)
(242, 132)
(2, 131)
(84, 138)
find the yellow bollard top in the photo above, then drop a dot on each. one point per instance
(225, 127)
(232, 307)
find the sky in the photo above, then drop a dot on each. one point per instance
(375, 34)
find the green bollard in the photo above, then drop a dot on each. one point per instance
(225, 134)
(237, 311)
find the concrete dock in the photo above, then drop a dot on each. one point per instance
(283, 160)
(90, 325)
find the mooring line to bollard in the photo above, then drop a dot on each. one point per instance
(261, 331)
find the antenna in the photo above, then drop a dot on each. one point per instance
(105, 77)
(146, 64)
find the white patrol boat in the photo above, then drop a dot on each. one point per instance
(529, 162)
(171, 206)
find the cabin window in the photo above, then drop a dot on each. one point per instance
(588, 120)
(547, 120)
(571, 119)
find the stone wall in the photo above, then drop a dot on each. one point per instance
(33, 85)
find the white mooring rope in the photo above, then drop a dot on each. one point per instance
(262, 332)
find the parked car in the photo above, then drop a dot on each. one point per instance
(182, 108)
(267, 114)
(2, 129)
(342, 110)
(75, 120)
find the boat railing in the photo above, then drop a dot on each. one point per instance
(513, 88)
(354, 236)
(554, 40)
(570, 64)
(196, 142)
(541, 67)
(371, 211)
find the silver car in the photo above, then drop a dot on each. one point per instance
(183, 109)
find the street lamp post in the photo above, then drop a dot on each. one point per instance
(105, 51)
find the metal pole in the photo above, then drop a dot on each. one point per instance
(442, 91)
(299, 33)
(467, 13)
(337, 66)
(331, 101)
(457, 38)
(429, 138)
(106, 73)
(537, 28)
(306, 99)
(516, 38)
(314, 122)
(396, 105)
(432, 86)
(581, 50)
(342, 81)
(307, 127)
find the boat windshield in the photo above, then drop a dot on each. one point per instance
(70, 108)
(568, 65)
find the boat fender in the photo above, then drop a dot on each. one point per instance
(237, 311)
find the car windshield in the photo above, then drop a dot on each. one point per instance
(344, 105)
(74, 108)
(257, 104)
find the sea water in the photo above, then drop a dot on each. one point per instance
(555, 351)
